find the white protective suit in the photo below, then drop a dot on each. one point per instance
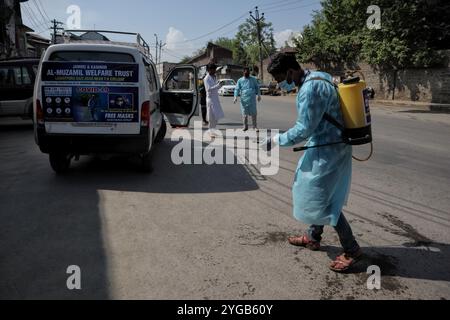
(215, 112)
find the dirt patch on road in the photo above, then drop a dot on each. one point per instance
(250, 236)
(407, 231)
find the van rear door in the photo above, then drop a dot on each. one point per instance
(179, 95)
(86, 92)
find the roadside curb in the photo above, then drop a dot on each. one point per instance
(438, 107)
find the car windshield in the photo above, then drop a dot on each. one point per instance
(92, 56)
(228, 82)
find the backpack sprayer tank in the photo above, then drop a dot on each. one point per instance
(356, 111)
(354, 103)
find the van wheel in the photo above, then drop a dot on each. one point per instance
(162, 132)
(146, 162)
(60, 162)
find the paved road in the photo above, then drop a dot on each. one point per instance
(219, 232)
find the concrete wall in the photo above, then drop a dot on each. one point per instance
(421, 84)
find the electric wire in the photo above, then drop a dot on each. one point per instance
(293, 8)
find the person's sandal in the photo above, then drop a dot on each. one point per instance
(303, 241)
(345, 261)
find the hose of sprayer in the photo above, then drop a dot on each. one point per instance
(368, 158)
(335, 143)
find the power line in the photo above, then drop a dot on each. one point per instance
(214, 31)
(31, 19)
(280, 4)
(171, 54)
(293, 8)
(267, 3)
(43, 9)
(40, 11)
(34, 15)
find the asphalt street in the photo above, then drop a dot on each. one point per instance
(219, 231)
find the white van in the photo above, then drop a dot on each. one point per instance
(107, 99)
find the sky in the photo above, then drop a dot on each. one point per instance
(184, 26)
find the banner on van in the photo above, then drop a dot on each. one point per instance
(91, 104)
(83, 71)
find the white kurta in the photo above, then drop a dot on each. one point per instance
(212, 98)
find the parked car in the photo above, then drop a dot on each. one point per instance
(228, 87)
(264, 88)
(107, 99)
(17, 79)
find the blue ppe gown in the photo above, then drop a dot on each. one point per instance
(248, 89)
(323, 176)
(286, 86)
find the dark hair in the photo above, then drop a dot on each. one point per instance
(246, 69)
(282, 62)
(211, 66)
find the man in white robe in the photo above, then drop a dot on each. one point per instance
(214, 109)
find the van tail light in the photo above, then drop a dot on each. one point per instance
(39, 113)
(145, 114)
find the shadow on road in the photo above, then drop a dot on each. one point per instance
(121, 174)
(423, 111)
(50, 222)
(16, 127)
(428, 262)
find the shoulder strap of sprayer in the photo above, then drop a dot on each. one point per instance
(326, 115)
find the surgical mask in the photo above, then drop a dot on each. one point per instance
(303, 79)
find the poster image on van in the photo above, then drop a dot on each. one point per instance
(90, 103)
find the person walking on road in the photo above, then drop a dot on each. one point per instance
(214, 109)
(247, 88)
(323, 177)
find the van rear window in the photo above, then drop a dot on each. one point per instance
(91, 56)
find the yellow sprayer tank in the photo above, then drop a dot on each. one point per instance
(356, 111)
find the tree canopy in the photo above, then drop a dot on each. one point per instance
(412, 34)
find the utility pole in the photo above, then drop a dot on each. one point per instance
(257, 18)
(161, 45)
(156, 50)
(56, 27)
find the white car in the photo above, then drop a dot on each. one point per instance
(106, 99)
(228, 86)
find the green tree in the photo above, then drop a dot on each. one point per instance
(185, 59)
(225, 43)
(411, 35)
(247, 42)
(334, 36)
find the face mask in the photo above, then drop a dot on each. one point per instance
(303, 79)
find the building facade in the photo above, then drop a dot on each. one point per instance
(222, 57)
(13, 33)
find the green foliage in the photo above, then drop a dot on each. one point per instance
(185, 59)
(225, 43)
(247, 42)
(411, 34)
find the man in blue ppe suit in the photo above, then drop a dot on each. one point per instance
(288, 86)
(247, 88)
(323, 177)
